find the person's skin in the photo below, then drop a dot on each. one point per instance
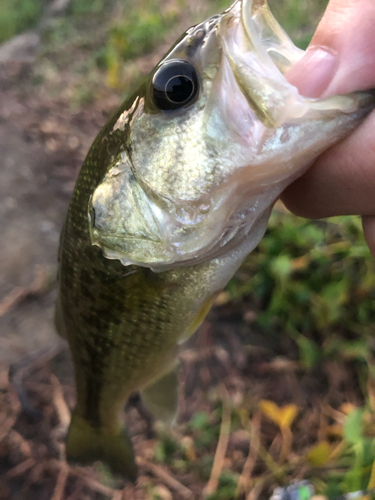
(342, 180)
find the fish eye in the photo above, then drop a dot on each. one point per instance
(174, 85)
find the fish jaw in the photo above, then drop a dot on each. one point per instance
(202, 178)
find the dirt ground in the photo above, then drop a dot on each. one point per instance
(42, 147)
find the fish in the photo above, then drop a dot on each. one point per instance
(175, 192)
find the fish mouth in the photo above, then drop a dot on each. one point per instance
(260, 53)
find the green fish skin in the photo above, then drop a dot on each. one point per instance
(175, 191)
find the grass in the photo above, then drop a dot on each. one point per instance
(311, 276)
(299, 19)
(17, 16)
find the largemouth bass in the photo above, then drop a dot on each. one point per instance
(175, 191)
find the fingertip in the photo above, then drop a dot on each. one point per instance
(314, 72)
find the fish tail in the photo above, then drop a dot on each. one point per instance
(86, 444)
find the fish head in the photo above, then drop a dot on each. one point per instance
(209, 142)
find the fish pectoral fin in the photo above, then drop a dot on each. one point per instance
(199, 318)
(86, 444)
(161, 397)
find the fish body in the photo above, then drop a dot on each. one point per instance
(175, 191)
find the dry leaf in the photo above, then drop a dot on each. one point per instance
(282, 416)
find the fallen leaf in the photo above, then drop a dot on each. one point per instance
(282, 416)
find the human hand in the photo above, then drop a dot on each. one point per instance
(340, 59)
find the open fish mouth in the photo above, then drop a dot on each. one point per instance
(199, 181)
(260, 53)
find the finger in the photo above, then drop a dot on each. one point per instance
(342, 180)
(342, 56)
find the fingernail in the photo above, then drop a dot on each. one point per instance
(314, 72)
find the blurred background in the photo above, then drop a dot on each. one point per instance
(278, 384)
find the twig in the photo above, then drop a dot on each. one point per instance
(117, 495)
(100, 488)
(58, 492)
(277, 470)
(19, 442)
(59, 403)
(36, 472)
(20, 468)
(6, 425)
(286, 444)
(18, 371)
(34, 361)
(9, 419)
(165, 477)
(90, 482)
(222, 445)
(245, 478)
(19, 293)
(12, 299)
(255, 492)
(77, 493)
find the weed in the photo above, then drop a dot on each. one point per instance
(18, 15)
(226, 489)
(311, 278)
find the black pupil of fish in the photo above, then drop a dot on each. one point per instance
(179, 89)
(174, 85)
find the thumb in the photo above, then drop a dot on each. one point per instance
(341, 56)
